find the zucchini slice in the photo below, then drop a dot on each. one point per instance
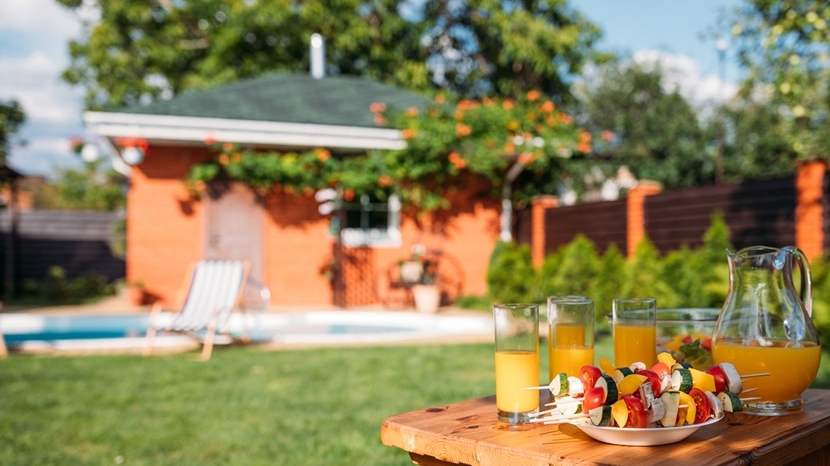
(681, 379)
(731, 402)
(559, 385)
(600, 416)
(610, 386)
(671, 403)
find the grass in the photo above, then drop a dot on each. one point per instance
(245, 407)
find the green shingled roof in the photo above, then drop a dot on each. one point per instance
(288, 97)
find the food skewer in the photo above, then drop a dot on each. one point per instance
(759, 374)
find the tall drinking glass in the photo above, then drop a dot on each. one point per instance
(517, 361)
(571, 334)
(635, 331)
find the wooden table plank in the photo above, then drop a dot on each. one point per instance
(469, 433)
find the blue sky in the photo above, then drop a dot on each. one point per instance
(33, 52)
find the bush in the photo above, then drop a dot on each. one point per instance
(56, 288)
(682, 278)
(511, 277)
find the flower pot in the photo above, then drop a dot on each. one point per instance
(427, 298)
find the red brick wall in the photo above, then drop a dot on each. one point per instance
(296, 246)
(164, 237)
(164, 227)
(636, 213)
(809, 210)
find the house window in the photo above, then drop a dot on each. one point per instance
(372, 222)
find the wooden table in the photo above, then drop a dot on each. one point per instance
(468, 433)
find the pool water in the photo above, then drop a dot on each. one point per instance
(50, 328)
(90, 332)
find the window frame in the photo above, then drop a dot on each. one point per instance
(390, 237)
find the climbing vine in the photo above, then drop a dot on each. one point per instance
(447, 144)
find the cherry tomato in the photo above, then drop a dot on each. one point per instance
(706, 344)
(654, 379)
(636, 412)
(702, 405)
(589, 375)
(594, 398)
(720, 378)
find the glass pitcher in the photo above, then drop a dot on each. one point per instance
(765, 329)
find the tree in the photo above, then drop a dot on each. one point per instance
(755, 142)
(11, 117)
(90, 188)
(653, 131)
(507, 48)
(140, 50)
(785, 47)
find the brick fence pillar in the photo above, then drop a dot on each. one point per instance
(635, 213)
(809, 212)
(538, 233)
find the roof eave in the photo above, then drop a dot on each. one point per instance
(198, 130)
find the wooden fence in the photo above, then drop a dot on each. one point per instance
(79, 242)
(776, 212)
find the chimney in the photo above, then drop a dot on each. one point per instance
(318, 56)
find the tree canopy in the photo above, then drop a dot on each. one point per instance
(11, 117)
(785, 46)
(139, 50)
(653, 131)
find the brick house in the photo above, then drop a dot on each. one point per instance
(283, 235)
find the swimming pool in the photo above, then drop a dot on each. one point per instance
(116, 332)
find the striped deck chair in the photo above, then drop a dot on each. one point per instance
(213, 292)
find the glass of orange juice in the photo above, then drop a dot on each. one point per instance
(517, 361)
(571, 334)
(635, 331)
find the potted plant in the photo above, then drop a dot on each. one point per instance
(425, 290)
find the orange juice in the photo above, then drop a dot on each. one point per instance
(634, 343)
(568, 335)
(569, 359)
(567, 351)
(791, 370)
(516, 370)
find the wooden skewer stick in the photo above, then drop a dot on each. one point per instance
(541, 387)
(749, 398)
(562, 421)
(572, 400)
(541, 413)
(549, 419)
(760, 374)
(749, 390)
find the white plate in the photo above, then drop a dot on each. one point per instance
(642, 437)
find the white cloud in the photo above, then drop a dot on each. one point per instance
(43, 18)
(703, 92)
(34, 81)
(34, 35)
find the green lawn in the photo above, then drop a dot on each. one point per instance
(246, 406)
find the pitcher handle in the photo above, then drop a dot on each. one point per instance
(806, 281)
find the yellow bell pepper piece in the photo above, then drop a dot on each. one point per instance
(702, 380)
(691, 409)
(666, 358)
